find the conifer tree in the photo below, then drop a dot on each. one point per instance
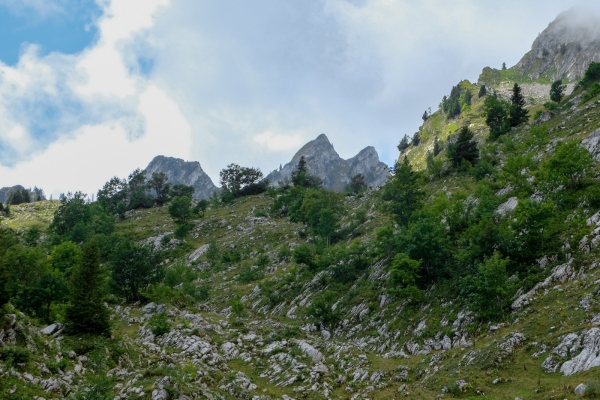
(482, 91)
(518, 114)
(465, 148)
(403, 145)
(86, 312)
(436, 147)
(402, 192)
(557, 91)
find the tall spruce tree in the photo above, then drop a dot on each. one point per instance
(465, 148)
(518, 114)
(402, 193)
(86, 312)
(557, 91)
(482, 91)
(436, 147)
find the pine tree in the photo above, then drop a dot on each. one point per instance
(436, 147)
(503, 66)
(416, 139)
(425, 116)
(86, 312)
(482, 91)
(402, 193)
(465, 148)
(518, 114)
(557, 91)
(403, 145)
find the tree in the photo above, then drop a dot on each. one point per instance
(112, 194)
(402, 192)
(301, 177)
(159, 184)
(492, 287)
(436, 147)
(496, 116)
(416, 139)
(517, 114)
(425, 116)
(557, 91)
(404, 144)
(138, 190)
(327, 224)
(403, 276)
(465, 148)
(86, 312)
(179, 190)
(482, 91)
(134, 268)
(73, 214)
(357, 183)
(180, 209)
(65, 257)
(503, 66)
(200, 208)
(234, 177)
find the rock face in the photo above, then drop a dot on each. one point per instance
(184, 172)
(565, 48)
(324, 162)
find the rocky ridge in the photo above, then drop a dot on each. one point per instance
(183, 172)
(565, 48)
(325, 163)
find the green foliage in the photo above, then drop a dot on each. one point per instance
(99, 388)
(158, 183)
(592, 389)
(517, 113)
(482, 91)
(249, 274)
(134, 268)
(304, 254)
(239, 180)
(15, 355)
(180, 209)
(71, 215)
(404, 274)
(213, 254)
(491, 289)
(159, 324)
(321, 309)
(237, 307)
(557, 91)
(568, 166)
(404, 144)
(65, 257)
(591, 76)
(181, 190)
(465, 148)
(357, 184)
(200, 207)
(86, 312)
(402, 193)
(496, 116)
(263, 260)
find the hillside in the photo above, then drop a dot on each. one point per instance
(248, 317)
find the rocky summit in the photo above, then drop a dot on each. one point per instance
(183, 172)
(565, 48)
(335, 172)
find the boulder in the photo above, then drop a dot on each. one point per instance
(589, 356)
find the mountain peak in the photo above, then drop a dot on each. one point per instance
(183, 172)
(324, 162)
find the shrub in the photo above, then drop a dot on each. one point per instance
(263, 260)
(15, 355)
(249, 274)
(592, 389)
(321, 309)
(304, 254)
(159, 324)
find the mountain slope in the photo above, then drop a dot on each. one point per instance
(324, 162)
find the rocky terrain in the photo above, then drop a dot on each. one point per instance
(6, 191)
(324, 162)
(183, 172)
(565, 48)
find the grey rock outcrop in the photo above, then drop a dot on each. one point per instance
(183, 172)
(565, 48)
(324, 162)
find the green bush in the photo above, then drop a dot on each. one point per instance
(249, 274)
(321, 309)
(304, 254)
(263, 260)
(592, 389)
(15, 355)
(54, 366)
(159, 324)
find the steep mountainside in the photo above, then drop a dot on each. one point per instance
(324, 162)
(565, 48)
(184, 172)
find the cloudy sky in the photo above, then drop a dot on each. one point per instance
(93, 89)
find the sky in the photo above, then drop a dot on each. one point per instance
(91, 89)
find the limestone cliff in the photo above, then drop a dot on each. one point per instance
(184, 172)
(324, 162)
(565, 48)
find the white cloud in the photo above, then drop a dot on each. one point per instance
(280, 142)
(43, 8)
(70, 122)
(96, 153)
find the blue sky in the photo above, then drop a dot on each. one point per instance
(106, 85)
(67, 27)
